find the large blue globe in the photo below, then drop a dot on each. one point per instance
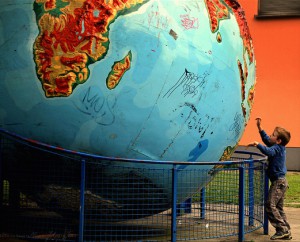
(146, 79)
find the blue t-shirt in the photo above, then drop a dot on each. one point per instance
(276, 156)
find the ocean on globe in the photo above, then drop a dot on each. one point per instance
(138, 79)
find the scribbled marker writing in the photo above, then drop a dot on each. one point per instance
(98, 107)
(188, 84)
(189, 23)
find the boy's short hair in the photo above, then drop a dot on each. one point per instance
(284, 135)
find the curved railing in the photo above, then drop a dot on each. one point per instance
(61, 194)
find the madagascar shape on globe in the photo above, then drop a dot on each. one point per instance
(146, 79)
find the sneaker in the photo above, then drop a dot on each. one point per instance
(289, 237)
(281, 235)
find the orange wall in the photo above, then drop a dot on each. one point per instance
(277, 92)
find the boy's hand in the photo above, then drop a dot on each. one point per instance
(255, 143)
(258, 123)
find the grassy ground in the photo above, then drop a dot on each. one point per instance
(224, 187)
(293, 194)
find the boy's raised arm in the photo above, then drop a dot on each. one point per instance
(258, 123)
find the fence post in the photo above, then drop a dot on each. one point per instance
(241, 202)
(81, 209)
(251, 192)
(174, 201)
(266, 192)
(202, 203)
(1, 170)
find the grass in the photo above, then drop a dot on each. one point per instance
(224, 188)
(292, 198)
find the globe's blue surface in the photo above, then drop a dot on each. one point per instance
(185, 95)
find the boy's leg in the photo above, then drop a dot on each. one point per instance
(282, 213)
(280, 207)
(276, 195)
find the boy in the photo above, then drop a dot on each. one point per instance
(276, 152)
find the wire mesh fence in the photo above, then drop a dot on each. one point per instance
(47, 193)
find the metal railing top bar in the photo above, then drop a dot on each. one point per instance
(46, 147)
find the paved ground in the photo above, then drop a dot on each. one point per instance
(293, 215)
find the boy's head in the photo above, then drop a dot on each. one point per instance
(282, 136)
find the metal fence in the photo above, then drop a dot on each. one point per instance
(55, 194)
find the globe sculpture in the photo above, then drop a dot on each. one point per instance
(138, 79)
